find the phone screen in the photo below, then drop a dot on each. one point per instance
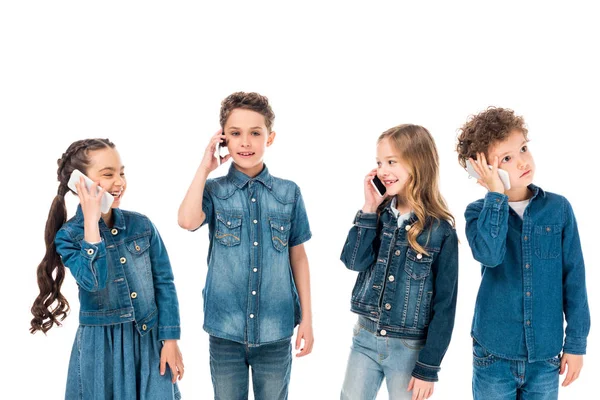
(379, 186)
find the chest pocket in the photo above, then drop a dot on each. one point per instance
(280, 232)
(139, 255)
(229, 229)
(418, 265)
(547, 241)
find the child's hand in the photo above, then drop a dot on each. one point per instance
(305, 332)
(573, 364)
(209, 161)
(90, 200)
(171, 355)
(372, 198)
(489, 177)
(421, 389)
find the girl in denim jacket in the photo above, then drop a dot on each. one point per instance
(405, 248)
(129, 314)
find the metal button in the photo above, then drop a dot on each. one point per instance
(114, 231)
(133, 295)
(497, 200)
(123, 260)
(388, 306)
(391, 278)
(144, 327)
(383, 332)
(255, 221)
(137, 248)
(254, 293)
(528, 322)
(397, 252)
(407, 227)
(281, 228)
(255, 269)
(251, 315)
(90, 251)
(548, 229)
(228, 223)
(419, 256)
(527, 266)
(528, 294)
(256, 243)
(525, 238)
(253, 200)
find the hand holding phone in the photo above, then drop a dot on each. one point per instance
(107, 198)
(501, 173)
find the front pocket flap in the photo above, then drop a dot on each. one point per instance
(139, 245)
(417, 257)
(417, 264)
(230, 221)
(549, 229)
(280, 225)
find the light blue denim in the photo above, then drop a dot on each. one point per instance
(250, 295)
(271, 365)
(373, 358)
(496, 378)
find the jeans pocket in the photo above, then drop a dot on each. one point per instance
(481, 357)
(554, 362)
(413, 344)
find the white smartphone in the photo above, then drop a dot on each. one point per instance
(107, 198)
(379, 186)
(218, 148)
(501, 173)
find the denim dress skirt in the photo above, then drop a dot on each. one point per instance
(116, 362)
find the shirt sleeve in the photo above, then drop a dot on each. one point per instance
(300, 229)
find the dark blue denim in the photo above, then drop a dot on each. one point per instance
(532, 273)
(250, 296)
(126, 277)
(408, 294)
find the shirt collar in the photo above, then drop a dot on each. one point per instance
(536, 190)
(240, 179)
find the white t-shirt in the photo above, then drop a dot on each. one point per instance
(519, 206)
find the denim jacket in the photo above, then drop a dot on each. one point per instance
(532, 273)
(409, 294)
(126, 277)
(250, 296)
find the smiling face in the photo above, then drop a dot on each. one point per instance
(515, 158)
(105, 167)
(391, 169)
(247, 137)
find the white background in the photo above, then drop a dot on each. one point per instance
(150, 76)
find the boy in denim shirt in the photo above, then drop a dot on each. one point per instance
(258, 287)
(532, 269)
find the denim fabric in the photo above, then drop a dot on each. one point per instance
(116, 362)
(126, 277)
(532, 273)
(373, 357)
(250, 296)
(496, 378)
(271, 366)
(410, 295)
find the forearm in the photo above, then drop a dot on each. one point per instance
(190, 215)
(301, 273)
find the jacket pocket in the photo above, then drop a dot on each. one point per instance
(418, 265)
(139, 255)
(547, 241)
(280, 232)
(228, 229)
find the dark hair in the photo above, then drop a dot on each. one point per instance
(485, 129)
(249, 101)
(45, 314)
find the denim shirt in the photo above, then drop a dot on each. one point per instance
(250, 296)
(532, 273)
(408, 294)
(125, 277)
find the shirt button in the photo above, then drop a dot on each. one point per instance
(144, 327)
(251, 315)
(228, 222)
(90, 251)
(497, 200)
(254, 293)
(528, 322)
(525, 238)
(528, 294)
(407, 227)
(383, 332)
(255, 221)
(256, 243)
(391, 278)
(114, 231)
(255, 269)
(123, 260)
(419, 256)
(388, 306)
(133, 295)
(253, 200)
(281, 228)
(137, 248)
(527, 266)
(397, 252)
(548, 229)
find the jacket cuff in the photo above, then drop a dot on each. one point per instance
(366, 220)
(575, 345)
(424, 372)
(169, 333)
(92, 251)
(495, 200)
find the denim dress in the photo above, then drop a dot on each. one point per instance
(128, 306)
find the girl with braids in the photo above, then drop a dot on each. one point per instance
(129, 314)
(405, 247)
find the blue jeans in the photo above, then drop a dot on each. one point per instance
(496, 378)
(271, 366)
(374, 357)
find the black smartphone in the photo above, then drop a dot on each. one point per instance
(379, 186)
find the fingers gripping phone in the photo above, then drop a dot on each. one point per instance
(379, 186)
(107, 198)
(220, 145)
(501, 173)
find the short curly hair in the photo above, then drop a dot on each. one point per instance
(485, 129)
(249, 101)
